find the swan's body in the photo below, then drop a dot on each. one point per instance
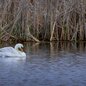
(13, 52)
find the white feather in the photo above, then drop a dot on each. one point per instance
(13, 52)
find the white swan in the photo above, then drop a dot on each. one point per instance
(17, 51)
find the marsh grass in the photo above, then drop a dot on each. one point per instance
(38, 20)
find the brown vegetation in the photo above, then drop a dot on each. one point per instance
(39, 20)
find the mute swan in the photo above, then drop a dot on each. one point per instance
(17, 51)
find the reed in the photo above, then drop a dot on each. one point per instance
(43, 20)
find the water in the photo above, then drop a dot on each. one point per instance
(47, 64)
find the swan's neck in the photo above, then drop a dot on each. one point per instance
(16, 49)
(21, 53)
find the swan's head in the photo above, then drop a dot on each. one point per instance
(19, 47)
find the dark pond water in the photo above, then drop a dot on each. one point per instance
(47, 64)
